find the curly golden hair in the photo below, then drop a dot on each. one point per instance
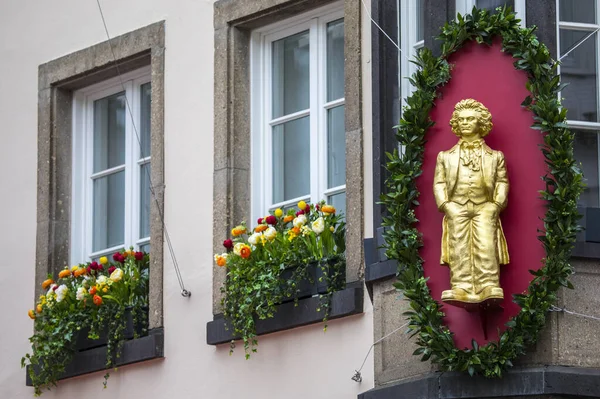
(484, 119)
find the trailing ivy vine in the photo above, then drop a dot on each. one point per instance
(563, 184)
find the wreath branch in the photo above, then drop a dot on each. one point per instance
(563, 185)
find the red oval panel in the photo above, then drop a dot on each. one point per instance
(487, 75)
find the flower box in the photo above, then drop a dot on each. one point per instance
(84, 343)
(313, 282)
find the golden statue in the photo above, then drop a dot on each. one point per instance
(471, 188)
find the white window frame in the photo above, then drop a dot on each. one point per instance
(82, 182)
(261, 108)
(409, 45)
(588, 28)
(465, 6)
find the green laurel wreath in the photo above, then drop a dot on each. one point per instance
(563, 184)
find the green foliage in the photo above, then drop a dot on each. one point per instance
(563, 182)
(266, 267)
(90, 298)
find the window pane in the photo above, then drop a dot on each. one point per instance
(578, 11)
(291, 74)
(145, 200)
(336, 147)
(291, 159)
(491, 5)
(338, 201)
(146, 91)
(145, 248)
(579, 70)
(109, 132)
(420, 21)
(585, 146)
(335, 60)
(109, 211)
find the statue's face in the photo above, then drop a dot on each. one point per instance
(468, 122)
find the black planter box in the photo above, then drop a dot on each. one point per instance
(84, 343)
(315, 282)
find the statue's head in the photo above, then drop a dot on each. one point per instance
(471, 117)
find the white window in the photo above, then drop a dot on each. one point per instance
(465, 6)
(111, 167)
(298, 130)
(578, 24)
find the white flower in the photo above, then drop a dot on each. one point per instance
(318, 225)
(270, 233)
(306, 231)
(61, 292)
(51, 290)
(299, 221)
(102, 280)
(253, 239)
(81, 291)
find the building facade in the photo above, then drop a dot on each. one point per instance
(161, 125)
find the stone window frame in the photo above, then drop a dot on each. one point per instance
(234, 21)
(57, 81)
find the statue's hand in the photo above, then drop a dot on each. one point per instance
(451, 209)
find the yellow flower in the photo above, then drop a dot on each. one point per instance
(74, 268)
(331, 229)
(278, 212)
(105, 290)
(302, 205)
(103, 260)
(116, 275)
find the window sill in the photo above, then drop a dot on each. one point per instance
(134, 351)
(344, 303)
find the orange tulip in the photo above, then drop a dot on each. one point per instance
(47, 283)
(31, 314)
(327, 209)
(97, 300)
(288, 218)
(296, 230)
(64, 273)
(260, 228)
(93, 290)
(80, 272)
(245, 252)
(38, 308)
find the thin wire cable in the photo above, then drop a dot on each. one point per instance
(184, 292)
(578, 44)
(381, 30)
(357, 376)
(563, 310)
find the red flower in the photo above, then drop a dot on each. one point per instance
(55, 288)
(111, 269)
(299, 213)
(228, 243)
(272, 220)
(259, 221)
(89, 269)
(307, 209)
(139, 255)
(94, 265)
(317, 207)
